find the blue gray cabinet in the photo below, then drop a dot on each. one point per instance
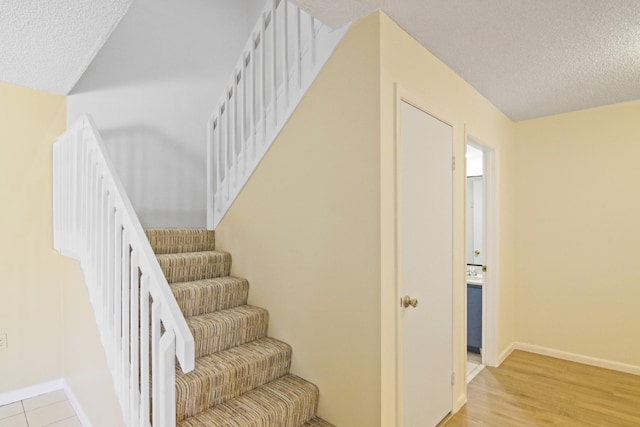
(474, 318)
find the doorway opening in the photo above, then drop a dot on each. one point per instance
(480, 255)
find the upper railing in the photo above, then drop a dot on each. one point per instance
(142, 328)
(284, 54)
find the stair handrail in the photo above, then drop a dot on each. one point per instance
(246, 119)
(141, 326)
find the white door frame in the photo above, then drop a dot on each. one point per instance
(403, 95)
(489, 288)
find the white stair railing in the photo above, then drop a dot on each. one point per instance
(142, 328)
(284, 54)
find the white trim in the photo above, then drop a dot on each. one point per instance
(73, 400)
(506, 353)
(490, 283)
(459, 403)
(579, 358)
(475, 373)
(31, 391)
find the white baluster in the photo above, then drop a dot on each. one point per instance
(274, 63)
(126, 331)
(253, 125)
(312, 40)
(134, 386)
(298, 40)
(285, 52)
(263, 76)
(156, 335)
(145, 336)
(117, 274)
(219, 163)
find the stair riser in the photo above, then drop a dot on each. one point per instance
(222, 330)
(179, 240)
(202, 297)
(195, 266)
(287, 402)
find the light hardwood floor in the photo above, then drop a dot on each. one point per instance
(533, 390)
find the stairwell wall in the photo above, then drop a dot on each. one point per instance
(33, 274)
(151, 89)
(305, 231)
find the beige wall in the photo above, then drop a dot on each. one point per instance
(578, 239)
(436, 88)
(305, 231)
(33, 274)
(43, 305)
(85, 364)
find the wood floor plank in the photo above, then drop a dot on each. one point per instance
(533, 390)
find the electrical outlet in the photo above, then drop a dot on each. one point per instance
(3, 341)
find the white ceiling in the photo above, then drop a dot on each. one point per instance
(530, 58)
(47, 45)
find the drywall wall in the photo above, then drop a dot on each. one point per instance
(86, 371)
(151, 89)
(33, 274)
(437, 89)
(305, 232)
(578, 240)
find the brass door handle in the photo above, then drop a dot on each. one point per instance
(407, 301)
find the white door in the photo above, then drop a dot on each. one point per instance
(425, 265)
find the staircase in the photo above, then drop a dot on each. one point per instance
(241, 376)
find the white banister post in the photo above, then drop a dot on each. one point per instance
(167, 401)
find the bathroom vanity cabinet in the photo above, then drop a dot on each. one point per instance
(474, 318)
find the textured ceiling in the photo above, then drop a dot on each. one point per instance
(47, 45)
(530, 58)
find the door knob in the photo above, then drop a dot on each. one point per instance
(407, 301)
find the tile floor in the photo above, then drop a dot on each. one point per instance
(474, 366)
(51, 410)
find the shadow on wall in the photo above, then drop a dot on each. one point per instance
(175, 200)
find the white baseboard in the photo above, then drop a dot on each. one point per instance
(31, 391)
(507, 351)
(573, 357)
(460, 402)
(73, 400)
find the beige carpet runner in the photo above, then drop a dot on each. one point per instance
(241, 378)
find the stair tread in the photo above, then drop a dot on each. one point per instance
(288, 401)
(175, 240)
(222, 376)
(220, 330)
(190, 266)
(208, 295)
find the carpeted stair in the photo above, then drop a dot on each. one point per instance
(241, 378)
